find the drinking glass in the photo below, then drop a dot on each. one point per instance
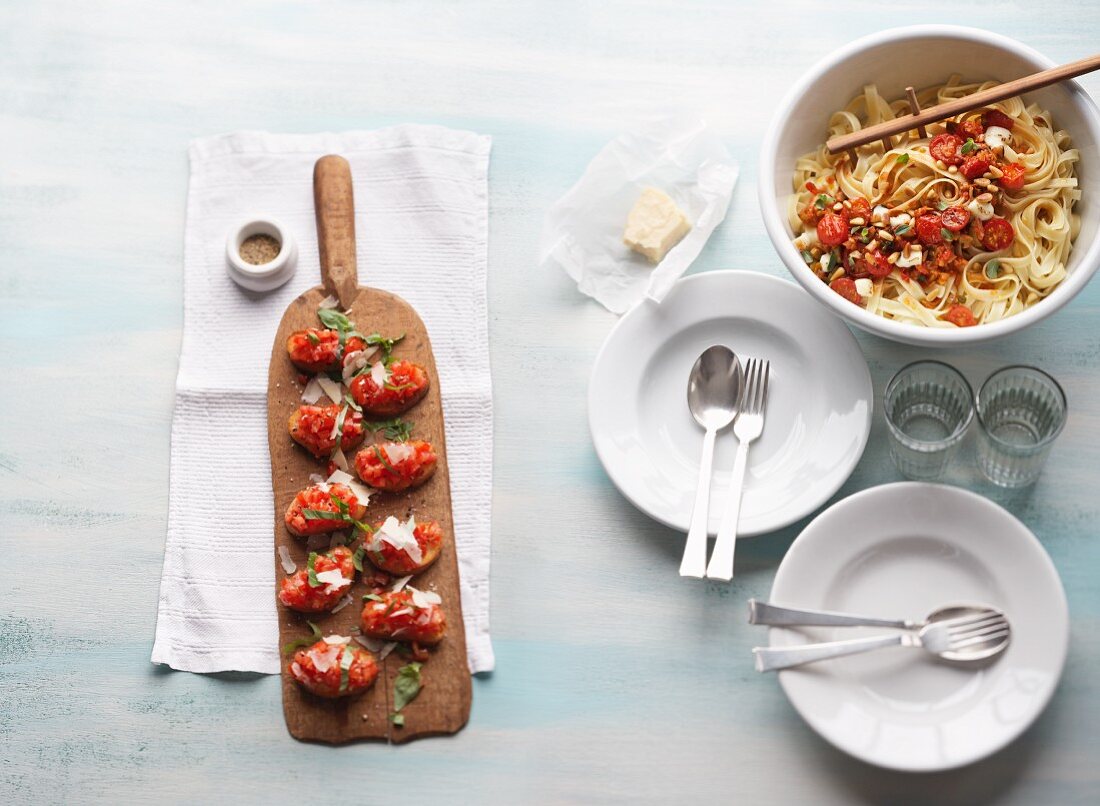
(1021, 410)
(928, 407)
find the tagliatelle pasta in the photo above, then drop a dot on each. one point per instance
(968, 225)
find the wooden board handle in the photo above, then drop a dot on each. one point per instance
(334, 203)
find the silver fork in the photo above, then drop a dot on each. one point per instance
(747, 428)
(967, 638)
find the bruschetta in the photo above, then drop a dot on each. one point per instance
(385, 391)
(406, 615)
(315, 428)
(321, 585)
(319, 350)
(334, 667)
(405, 548)
(319, 498)
(395, 466)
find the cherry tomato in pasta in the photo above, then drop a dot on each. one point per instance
(331, 670)
(1014, 176)
(955, 218)
(312, 427)
(997, 235)
(319, 497)
(945, 147)
(873, 263)
(929, 226)
(960, 316)
(396, 616)
(995, 117)
(976, 164)
(846, 287)
(832, 229)
(403, 385)
(333, 572)
(861, 208)
(396, 466)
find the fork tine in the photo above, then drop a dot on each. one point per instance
(954, 645)
(761, 367)
(764, 392)
(975, 618)
(970, 625)
(750, 385)
(977, 631)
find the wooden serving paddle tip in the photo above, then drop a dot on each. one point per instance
(1010, 89)
(443, 705)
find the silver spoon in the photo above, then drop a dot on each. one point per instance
(960, 633)
(714, 396)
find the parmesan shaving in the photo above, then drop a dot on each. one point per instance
(360, 492)
(336, 640)
(379, 374)
(356, 361)
(402, 536)
(397, 452)
(316, 478)
(329, 302)
(313, 391)
(343, 603)
(333, 579)
(400, 583)
(377, 646)
(323, 661)
(402, 612)
(332, 389)
(424, 598)
(339, 459)
(339, 477)
(284, 558)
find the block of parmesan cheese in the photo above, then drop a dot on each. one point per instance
(655, 225)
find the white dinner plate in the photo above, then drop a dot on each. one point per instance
(900, 551)
(819, 400)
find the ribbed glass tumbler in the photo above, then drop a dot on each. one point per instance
(928, 407)
(1021, 410)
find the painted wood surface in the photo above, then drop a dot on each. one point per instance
(615, 680)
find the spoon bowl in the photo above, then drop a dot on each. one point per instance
(714, 388)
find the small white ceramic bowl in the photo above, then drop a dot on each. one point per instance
(265, 276)
(924, 55)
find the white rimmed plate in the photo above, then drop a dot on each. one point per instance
(901, 550)
(819, 403)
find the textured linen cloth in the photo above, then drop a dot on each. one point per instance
(421, 206)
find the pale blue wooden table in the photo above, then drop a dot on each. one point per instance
(616, 680)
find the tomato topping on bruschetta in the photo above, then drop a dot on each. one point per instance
(315, 428)
(395, 466)
(387, 391)
(404, 548)
(319, 497)
(334, 667)
(321, 585)
(405, 615)
(318, 350)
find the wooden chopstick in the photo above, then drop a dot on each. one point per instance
(1010, 89)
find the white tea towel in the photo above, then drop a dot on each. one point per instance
(421, 204)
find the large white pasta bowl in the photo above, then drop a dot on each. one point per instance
(921, 56)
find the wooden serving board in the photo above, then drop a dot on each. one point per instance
(443, 705)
